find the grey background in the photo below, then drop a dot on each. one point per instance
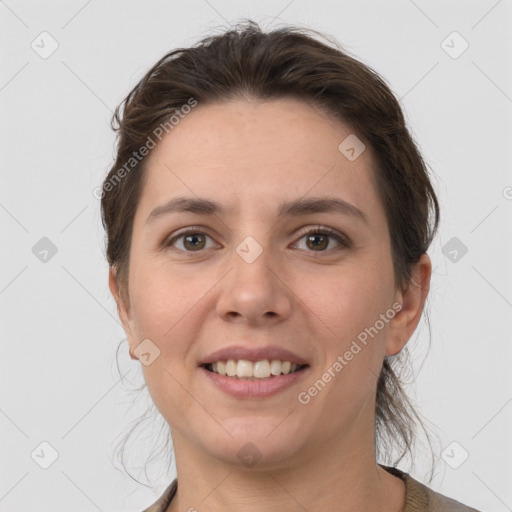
(59, 381)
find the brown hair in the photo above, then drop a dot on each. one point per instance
(245, 62)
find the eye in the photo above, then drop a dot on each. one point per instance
(194, 240)
(318, 237)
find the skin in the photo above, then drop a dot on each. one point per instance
(251, 155)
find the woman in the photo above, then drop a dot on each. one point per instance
(268, 217)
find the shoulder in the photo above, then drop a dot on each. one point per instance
(163, 501)
(420, 498)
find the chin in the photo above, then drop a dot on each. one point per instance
(257, 443)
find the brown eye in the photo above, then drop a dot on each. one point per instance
(318, 239)
(194, 242)
(191, 240)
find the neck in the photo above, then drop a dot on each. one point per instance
(342, 476)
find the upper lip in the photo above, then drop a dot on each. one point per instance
(253, 354)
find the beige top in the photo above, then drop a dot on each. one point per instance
(418, 497)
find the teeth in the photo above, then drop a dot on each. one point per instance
(262, 369)
(230, 368)
(244, 369)
(275, 367)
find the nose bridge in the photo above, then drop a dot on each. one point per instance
(253, 232)
(253, 261)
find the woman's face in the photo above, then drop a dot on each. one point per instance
(250, 281)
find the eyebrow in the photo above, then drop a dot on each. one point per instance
(302, 206)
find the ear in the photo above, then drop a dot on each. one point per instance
(404, 323)
(123, 309)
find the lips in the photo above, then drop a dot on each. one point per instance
(252, 388)
(253, 373)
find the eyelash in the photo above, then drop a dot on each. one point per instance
(318, 230)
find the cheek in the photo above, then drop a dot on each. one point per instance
(348, 308)
(169, 315)
(162, 298)
(347, 305)
(345, 300)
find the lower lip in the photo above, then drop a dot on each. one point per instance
(254, 388)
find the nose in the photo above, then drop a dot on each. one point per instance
(255, 292)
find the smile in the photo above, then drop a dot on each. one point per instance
(277, 376)
(248, 370)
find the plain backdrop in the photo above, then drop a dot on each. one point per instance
(61, 393)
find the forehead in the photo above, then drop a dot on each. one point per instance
(275, 130)
(249, 151)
